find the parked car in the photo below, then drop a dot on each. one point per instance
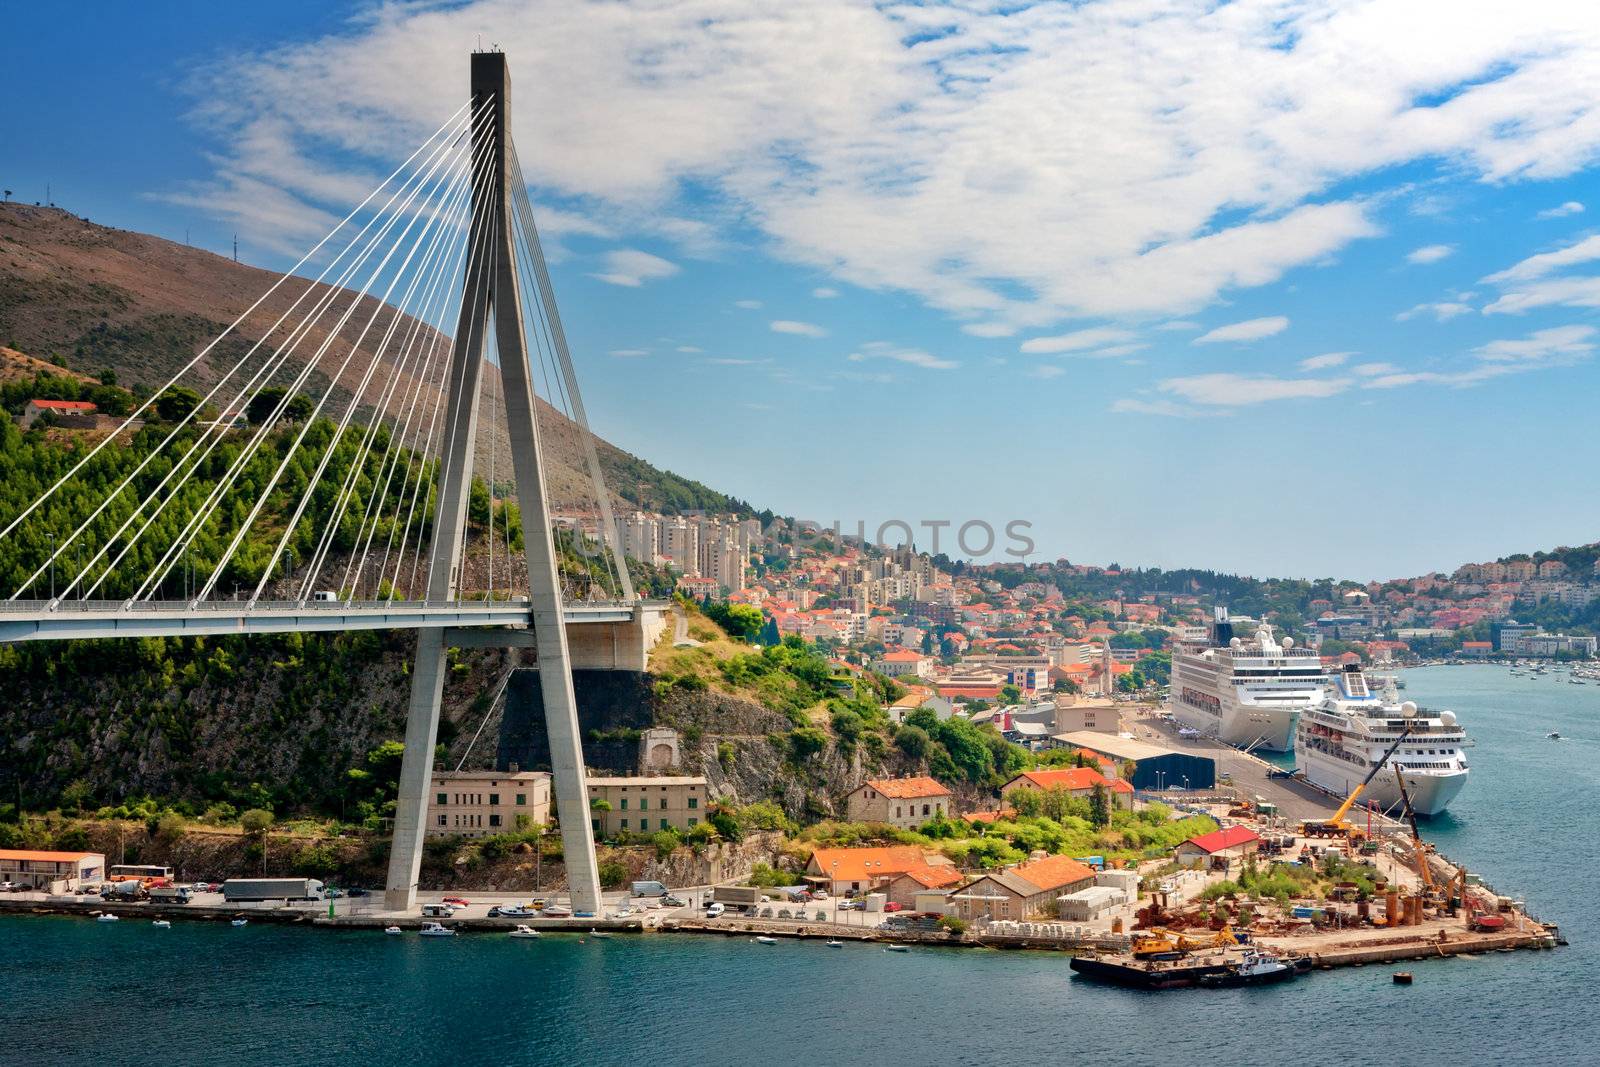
(849, 905)
(893, 905)
(357, 892)
(331, 893)
(200, 887)
(672, 902)
(9, 887)
(214, 887)
(715, 910)
(458, 902)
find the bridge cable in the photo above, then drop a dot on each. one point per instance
(12, 525)
(213, 428)
(215, 432)
(344, 422)
(426, 269)
(219, 491)
(610, 536)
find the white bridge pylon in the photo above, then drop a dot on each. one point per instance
(325, 477)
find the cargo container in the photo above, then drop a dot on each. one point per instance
(242, 889)
(742, 896)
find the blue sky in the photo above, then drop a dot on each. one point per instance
(1059, 264)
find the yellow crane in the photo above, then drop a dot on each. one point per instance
(1336, 826)
(1419, 852)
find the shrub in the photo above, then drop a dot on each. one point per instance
(256, 821)
(613, 875)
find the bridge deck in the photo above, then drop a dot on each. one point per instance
(67, 619)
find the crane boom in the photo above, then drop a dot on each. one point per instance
(1338, 816)
(1416, 838)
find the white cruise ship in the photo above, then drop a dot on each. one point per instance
(1343, 737)
(1248, 693)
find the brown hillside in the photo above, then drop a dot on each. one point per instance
(88, 296)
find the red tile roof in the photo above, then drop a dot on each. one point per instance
(866, 864)
(908, 788)
(63, 405)
(1217, 840)
(1073, 778)
(49, 857)
(1053, 872)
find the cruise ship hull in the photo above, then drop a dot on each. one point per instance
(1242, 725)
(1430, 792)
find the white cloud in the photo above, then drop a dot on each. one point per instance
(1552, 292)
(630, 353)
(1046, 371)
(1443, 311)
(1373, 370)
(901, 354)
(822, 292)
(1077, 341)
(632, 268)
(1561, 211)
(799, 329)
(1249, 330)
(1237, 390)
(1558, 342)
(748, 305)
(895, 146)
(1178, 324)
(1136, 406)
(1548, 262)
(988, 329)
(1430, 253)
(1324, 361)
(690, 350)
(1554, 347)
(1117, 350)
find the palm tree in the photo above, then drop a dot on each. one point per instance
(8, 196)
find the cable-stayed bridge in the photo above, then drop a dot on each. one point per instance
(361, 449)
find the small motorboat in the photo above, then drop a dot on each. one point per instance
(1552, 735)
(1256, 968)
(436, 930)
(106, 917)
(835, 944)
(524, 930)
(392, 930)
(764, 940)
(599, 933)
(1402, 978)
(161, 924)
(896, 948)
(239, 922)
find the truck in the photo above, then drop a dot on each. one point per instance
(170, 894)
(243, 889)
(737, 896)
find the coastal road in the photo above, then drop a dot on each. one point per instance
(1296, 800)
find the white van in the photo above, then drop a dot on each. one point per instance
(326, 596)
(438, 911)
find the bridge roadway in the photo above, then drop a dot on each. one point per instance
(40, 620)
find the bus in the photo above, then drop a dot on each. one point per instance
(136, 872)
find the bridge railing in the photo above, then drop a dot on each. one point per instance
(234, 607)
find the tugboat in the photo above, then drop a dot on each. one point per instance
(1257, 968)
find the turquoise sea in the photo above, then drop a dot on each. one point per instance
(75, 992)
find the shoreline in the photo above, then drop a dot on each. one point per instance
(1438, 943)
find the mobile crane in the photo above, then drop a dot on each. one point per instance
(1336, 826)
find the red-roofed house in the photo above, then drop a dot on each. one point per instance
(78, 414)
(903, 888)
(1028, 889)
(860, 870)
(1079, 781)
(56, 872)
(903, 661)
(1219, 846)
(903, 802)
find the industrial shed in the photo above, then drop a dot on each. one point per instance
(1154, 767)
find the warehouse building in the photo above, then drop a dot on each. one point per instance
(1154, 767)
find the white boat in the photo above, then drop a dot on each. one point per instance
(896, 948)
(524, 930)
(436, 930)
(239, 922)
(599, 933)
(393, 930)
(835, 944)
(764, 940)
(1247, 693)
(1340, 739)
(106, 917)
(161, 924)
